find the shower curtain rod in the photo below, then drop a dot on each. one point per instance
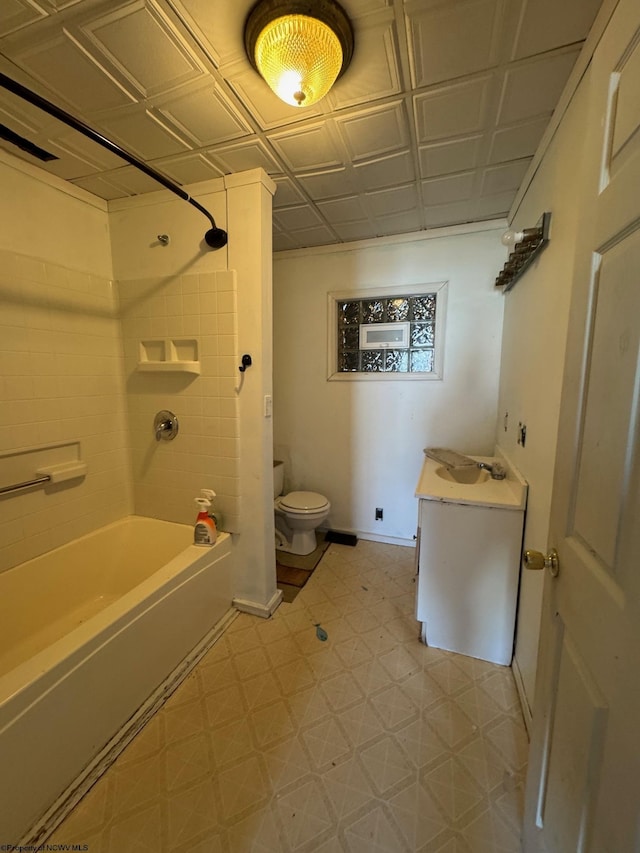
(215, 238)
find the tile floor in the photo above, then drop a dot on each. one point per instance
(368, 742)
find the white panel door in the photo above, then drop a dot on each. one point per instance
(583, 787)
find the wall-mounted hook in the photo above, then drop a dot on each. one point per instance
(163, 239)
(246, 362)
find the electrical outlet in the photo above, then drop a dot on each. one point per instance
(379, 512)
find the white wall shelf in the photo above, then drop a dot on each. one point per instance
(169, 355)
(169, 366)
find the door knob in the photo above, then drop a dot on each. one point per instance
(536, 560)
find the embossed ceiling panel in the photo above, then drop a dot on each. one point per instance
(533, 88)
(448, 189)
(15, 14)
(368, 81)
(189, 169)
(311, 146)
(62, 66)
(521, 140)
(245, 155)
(204, 115)
(385, 171)
(455, 155)
(434, 123)
(452, 110)
(329, 183)
(372, 133)
(143, 133)
(434, 27)
(139, 42)
(570, 22)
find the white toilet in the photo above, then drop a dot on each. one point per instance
(297, 515)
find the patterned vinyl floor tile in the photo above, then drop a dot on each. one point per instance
(279, 742)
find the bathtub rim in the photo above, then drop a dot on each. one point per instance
(42, 670)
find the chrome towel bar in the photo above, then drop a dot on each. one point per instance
(37, 482)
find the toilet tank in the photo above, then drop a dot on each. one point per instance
(278, 478)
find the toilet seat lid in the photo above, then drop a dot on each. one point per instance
(303, 501)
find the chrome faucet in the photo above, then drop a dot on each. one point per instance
(497, 471)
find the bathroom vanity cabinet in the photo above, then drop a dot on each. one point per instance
(468, 561)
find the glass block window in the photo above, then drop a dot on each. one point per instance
(418, 310)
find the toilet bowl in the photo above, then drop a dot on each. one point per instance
(297, 516)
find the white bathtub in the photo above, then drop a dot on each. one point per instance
(87, 633)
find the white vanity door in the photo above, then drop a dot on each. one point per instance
(469, 565)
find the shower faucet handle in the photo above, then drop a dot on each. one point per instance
(165, 425)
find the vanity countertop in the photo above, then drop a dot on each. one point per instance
(510, 493)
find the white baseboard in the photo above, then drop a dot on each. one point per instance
(255, 609)
(386, 540)
(524, 703)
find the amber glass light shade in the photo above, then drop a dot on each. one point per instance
(299, 57)
(300, 47)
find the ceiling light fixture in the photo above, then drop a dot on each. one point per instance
(300, 47)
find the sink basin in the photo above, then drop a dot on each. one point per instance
(466, 475)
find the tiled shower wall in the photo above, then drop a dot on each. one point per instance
(168, 475)
(60, 381)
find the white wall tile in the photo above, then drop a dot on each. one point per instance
(167, 476)
(62, 382)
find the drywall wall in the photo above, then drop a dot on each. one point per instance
(360, 442)
(534, 341)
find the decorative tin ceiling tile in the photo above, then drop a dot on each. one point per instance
(392, 200)
(366, 80)
(328, 183)
(15, 14)
(570, 22)
(449, 189)
(218, 26)
(242, 156)
(456, 155)
(73, 76)
(188, 169)
(384, 171)
(508, 176)
(321, 236)
(297, 217)
(398, 223)
(343, 210)
(452, 110)
(449, 214)
(287, 193)
(513, 143)
(362, 230)
(143, 134)
(308, 148)
(495, 205)
(371, 133)
(473, 26)
(204, 115)
(532, 88)
(140, 42)
(101, 186)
